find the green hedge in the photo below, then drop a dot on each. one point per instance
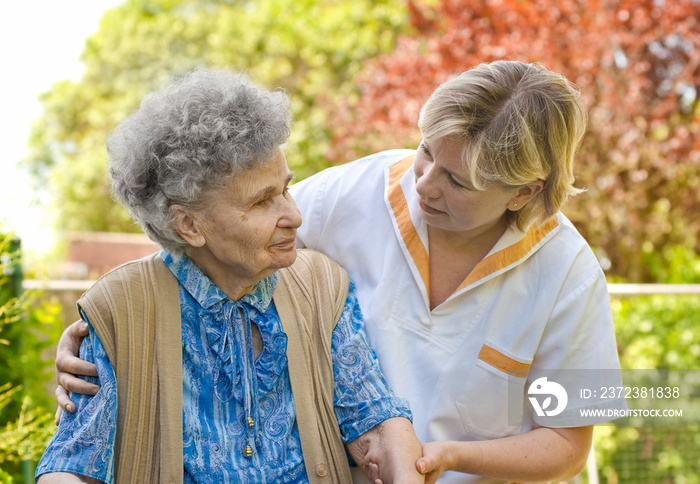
(656, 331)
(29, 328)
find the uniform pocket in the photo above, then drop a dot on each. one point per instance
(492, 405)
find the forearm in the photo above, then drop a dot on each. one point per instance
(66, 478)
(393, 447)
(543, 454)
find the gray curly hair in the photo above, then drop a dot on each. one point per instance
(187, 140)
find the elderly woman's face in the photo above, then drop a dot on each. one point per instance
(249, 226)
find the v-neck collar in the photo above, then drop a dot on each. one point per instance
(512, 248)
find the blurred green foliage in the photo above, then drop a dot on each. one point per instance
(310, 48)
(29, 328)
(657, 331)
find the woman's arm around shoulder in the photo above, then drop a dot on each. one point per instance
(68, 365)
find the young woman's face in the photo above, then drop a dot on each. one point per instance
(447, 198)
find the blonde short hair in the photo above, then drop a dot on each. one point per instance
(519, 123)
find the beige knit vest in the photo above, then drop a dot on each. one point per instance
(135, 310)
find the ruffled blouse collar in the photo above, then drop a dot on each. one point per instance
(256, 306)
(207, 294)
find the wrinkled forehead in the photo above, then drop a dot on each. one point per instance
(244, 184)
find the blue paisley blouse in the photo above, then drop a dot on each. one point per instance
(225, 388)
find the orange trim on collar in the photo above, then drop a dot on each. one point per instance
(502, 362)
(419, 254)
(399, 206)
(511, 254)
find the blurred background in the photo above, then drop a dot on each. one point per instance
(358, 72)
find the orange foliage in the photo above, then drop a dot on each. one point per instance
(638, 65)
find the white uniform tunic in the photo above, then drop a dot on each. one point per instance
(537, 300)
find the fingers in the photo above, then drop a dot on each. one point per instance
(429, 465)
(373, 472)
(72, 336)
(432, 477)
(425, 465)
(67, 363)
(78, 329)
(67, 352)
(74, 384)
(64, 402)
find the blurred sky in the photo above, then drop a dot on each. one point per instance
(40, 43)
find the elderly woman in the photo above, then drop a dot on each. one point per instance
(227, 357)
(471, 279)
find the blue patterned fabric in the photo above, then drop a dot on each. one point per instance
(223, 385)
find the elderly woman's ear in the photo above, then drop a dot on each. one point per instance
(188, 225)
